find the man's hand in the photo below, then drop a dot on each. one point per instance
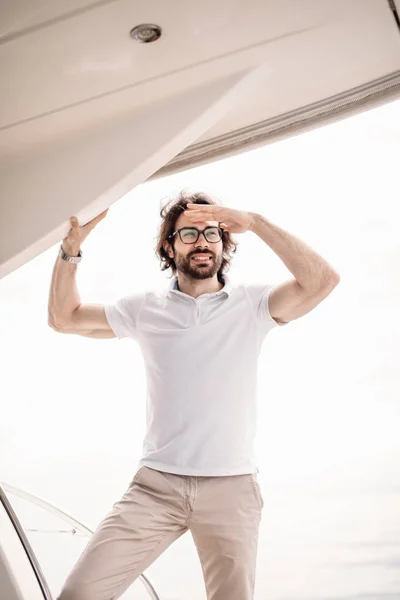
(235, 221)
(78, 234)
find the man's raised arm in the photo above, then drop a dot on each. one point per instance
(66, 314)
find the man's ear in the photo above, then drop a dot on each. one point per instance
(168, 249)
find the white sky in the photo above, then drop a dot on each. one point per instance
(329, 385)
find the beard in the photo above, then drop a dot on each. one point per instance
(200, 270)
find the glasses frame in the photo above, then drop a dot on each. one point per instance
(199, 232)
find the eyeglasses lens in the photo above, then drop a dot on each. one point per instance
(189, 235)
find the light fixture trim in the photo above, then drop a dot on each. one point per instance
(146, 33)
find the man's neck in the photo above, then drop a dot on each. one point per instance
(198, 287)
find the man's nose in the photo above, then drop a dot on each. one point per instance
(202, 241)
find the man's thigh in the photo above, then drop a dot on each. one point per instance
(141, 525)
(225, 527)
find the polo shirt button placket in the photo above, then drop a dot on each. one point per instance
(198, 306)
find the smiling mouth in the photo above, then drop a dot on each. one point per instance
(202, 259)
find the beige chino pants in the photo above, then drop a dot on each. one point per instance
(223, 514)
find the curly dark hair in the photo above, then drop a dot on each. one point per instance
(169, 215)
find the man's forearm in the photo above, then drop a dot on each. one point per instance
(310, 270)
(63, 297)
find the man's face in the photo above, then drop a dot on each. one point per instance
(184, 254)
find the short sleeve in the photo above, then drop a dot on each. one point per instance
(123, 315)
(258, 295)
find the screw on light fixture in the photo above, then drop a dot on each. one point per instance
(146, 33)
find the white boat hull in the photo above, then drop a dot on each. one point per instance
(87, 113)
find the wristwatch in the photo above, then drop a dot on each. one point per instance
(71, 259)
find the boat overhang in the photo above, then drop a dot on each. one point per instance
(87, 112)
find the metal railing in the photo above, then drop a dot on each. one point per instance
(76, 527)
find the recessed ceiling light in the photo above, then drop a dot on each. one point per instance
(146, 33)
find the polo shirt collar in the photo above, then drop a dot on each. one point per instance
(227, 289)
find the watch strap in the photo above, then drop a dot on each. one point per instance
(71, 259)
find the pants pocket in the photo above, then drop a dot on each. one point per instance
(136, 475)
(257, 491)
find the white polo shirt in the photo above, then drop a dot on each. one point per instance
(200, 357)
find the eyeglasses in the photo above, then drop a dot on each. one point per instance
(190, 235)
